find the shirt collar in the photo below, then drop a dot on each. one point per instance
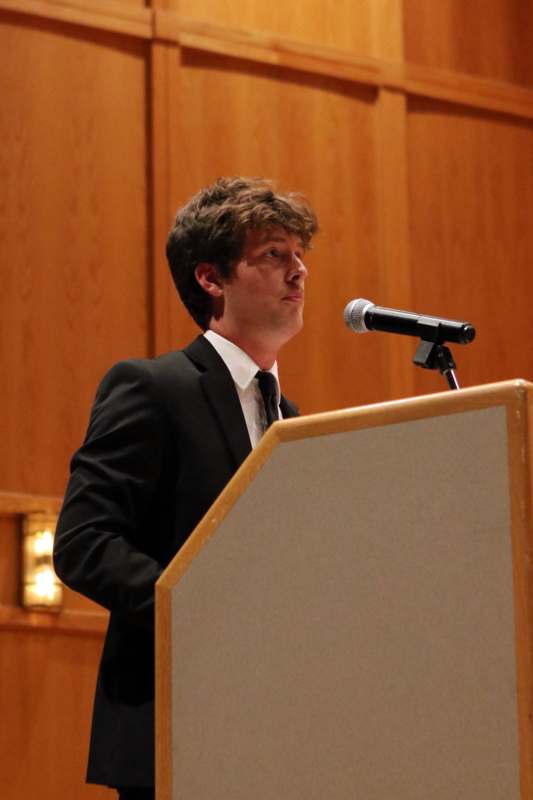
(241, 366)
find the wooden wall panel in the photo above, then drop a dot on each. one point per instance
(74, 241)
(317, 135)
(337, 23)
(10, 552)
(46, 699)
(47, 668)
(73, 230)
(480, 37)
(471, 194)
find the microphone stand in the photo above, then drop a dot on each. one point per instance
(432, 354)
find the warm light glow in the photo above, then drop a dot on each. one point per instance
(41, 587)
(44, 583)
(43, 543)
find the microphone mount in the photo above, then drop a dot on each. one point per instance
(433, 354)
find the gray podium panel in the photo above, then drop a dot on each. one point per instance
(347, 633)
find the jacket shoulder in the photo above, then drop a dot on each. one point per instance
(159, 371)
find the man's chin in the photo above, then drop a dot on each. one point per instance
(295, 324)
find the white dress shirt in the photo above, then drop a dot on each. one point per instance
(243, 370)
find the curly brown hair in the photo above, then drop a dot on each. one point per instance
(212, 227)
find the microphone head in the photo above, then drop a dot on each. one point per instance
(354, 314)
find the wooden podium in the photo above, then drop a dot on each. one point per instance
(353, 616)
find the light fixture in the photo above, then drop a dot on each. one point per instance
(41, 588)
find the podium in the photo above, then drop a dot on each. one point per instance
(353, 616)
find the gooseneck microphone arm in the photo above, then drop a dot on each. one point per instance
(362, 316)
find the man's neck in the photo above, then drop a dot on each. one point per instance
(262, 353)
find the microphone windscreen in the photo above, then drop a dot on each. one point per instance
(354, 314)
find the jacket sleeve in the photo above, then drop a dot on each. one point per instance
(101, 546)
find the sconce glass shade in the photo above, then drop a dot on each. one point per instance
(41, 588)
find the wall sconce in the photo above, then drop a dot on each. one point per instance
(41, 588)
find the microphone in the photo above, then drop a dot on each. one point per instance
(362, 316)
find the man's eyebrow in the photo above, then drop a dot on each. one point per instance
(281, 239)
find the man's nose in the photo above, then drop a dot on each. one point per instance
(298, 269)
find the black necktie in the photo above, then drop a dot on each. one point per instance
(268, 388)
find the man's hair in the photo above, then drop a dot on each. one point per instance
(212, 227)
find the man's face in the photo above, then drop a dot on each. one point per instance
(264, 297)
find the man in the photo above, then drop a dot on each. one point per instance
(167, 434)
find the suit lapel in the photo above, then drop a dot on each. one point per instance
(221, 394)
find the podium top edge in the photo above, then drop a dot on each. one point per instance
(507, 392)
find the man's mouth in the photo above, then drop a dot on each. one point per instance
(294, 297)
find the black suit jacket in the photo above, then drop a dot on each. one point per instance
(164, 438)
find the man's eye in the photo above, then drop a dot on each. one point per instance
(274, 253)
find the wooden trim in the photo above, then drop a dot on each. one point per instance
(169, 26)
(264, 48)
(524, 603)
(519, 448)
(18, 503)
(101, 14)
(390, 413)
(164, 74)
(65, 622)
(413, 79)
(163, 693)
(466, 90)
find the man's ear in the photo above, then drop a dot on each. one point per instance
(209, 278)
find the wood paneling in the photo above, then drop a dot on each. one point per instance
(481, 37)
(74, 236)
(10, 558)
(48, 666)
(385, 68)
(46, 700)
(252, 45)
(471, 194)
(395, 288)
(394, 74)
(422, 204)
(339, 23)
(165, 105)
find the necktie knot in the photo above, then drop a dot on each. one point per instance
(268, 388)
